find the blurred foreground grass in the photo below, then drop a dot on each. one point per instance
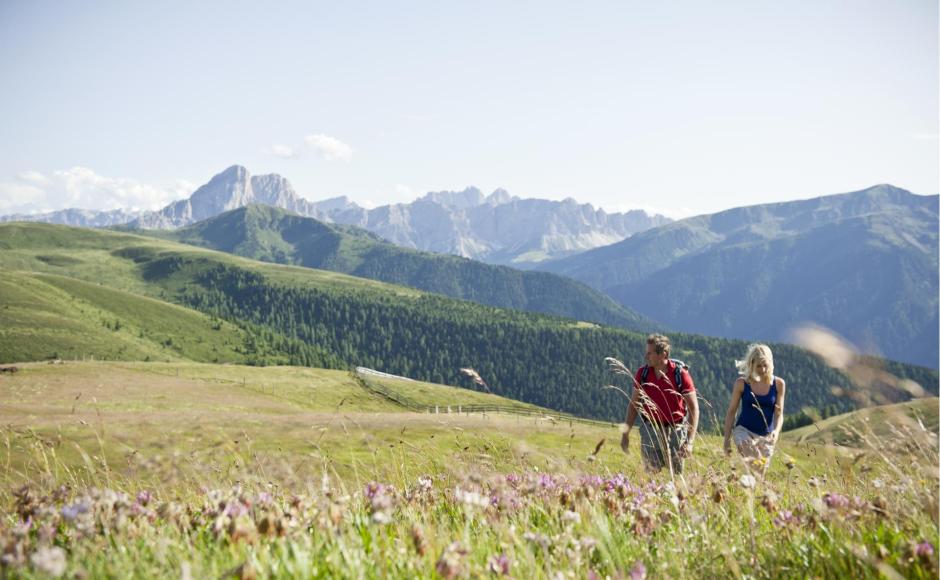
(137, 469)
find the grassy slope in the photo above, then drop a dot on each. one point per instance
(97, 255)
(117, 408)
(872, 425)
(50, 316)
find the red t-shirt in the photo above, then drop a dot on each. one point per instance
(665, 403)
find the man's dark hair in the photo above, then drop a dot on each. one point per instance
(660, 342)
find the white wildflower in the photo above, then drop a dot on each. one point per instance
(50, 561)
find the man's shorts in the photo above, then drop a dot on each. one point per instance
(659, 443)
(751, 445)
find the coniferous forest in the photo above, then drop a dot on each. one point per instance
(548, 361)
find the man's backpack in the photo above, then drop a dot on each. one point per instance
(645, 371)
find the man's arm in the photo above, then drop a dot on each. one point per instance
(630, 420)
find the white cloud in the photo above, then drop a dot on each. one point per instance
(329, 148)
(81, 187)
(34, 178)
(14, 196)
(284, 151)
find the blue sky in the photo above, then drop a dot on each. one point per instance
(683, 107)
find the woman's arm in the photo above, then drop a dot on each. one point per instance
(778, 408)
(736, 393)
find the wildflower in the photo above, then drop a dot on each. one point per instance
(418, 540)
(924, 550)
(769, 501)
(786, 519)
(144, 497)
(499, 565)
(471, 499)
(70, 512)
(836, 501)
(49, 560)
(373, 489)
(449, 565)
(747, 481)
(540, 539)
(572, 517)
(425, 482)
(877, 483)
(381, 502)
(790, 463)
(638, 572)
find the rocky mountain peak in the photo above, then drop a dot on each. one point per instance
(469, 197)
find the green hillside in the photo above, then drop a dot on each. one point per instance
(863, 264)
(49, 316)
(874, 427)
(302, 316)
(271, 234)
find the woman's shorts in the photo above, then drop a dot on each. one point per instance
(751, 445)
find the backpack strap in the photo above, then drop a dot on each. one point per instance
(679, 366)
(645, 371)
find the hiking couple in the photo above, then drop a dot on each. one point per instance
(664, 399)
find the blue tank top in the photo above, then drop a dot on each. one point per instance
(757, 411)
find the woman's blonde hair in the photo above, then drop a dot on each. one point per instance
(756, 354)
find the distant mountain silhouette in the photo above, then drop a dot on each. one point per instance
(864, 264)
(498, 229)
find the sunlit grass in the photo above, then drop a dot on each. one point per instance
(185, 470)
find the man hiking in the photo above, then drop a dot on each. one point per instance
(664, 397)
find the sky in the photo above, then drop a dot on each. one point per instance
(678, 107)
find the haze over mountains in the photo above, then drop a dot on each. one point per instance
(864, 264)
(498, 229)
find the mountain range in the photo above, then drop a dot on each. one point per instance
(270, 234)
(498, 228)
(864, 264)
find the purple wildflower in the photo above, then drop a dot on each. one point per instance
(70, 512)
(373, 489)
(836, 501)
(638, 572)
(924, 550)
(500, 565)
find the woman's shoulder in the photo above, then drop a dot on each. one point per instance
(739, 383)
